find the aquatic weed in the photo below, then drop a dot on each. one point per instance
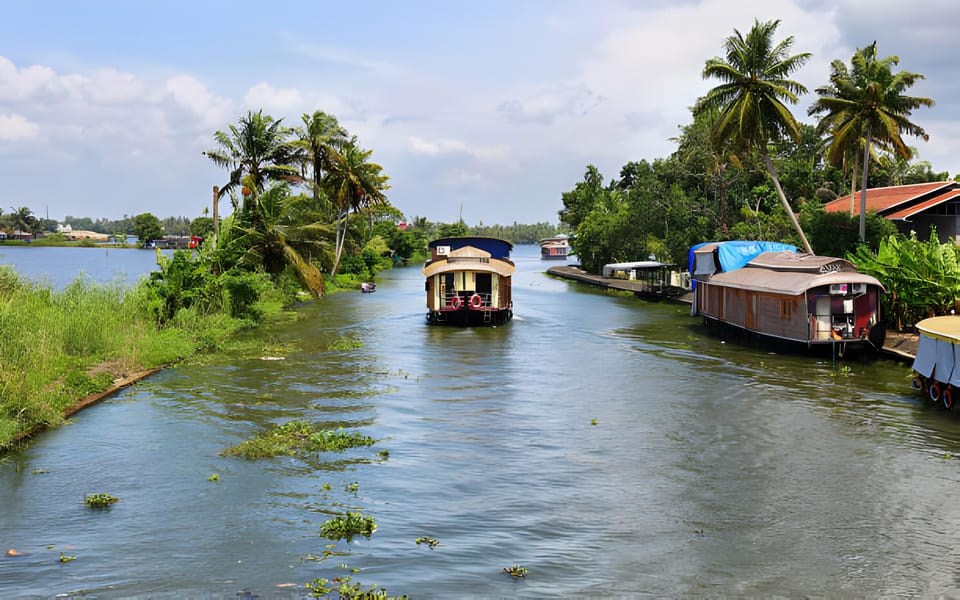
(298, 438)
(348, 525)
(100, 500)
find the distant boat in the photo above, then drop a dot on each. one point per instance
(468, 281)
(368, 288)
(805, 298)
(555, 248)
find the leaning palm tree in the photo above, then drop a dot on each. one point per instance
(867, 103)
(352, 184)
(256, 148)
(751, 98)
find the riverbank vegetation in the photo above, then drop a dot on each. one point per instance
(746, 168)
(60, 346)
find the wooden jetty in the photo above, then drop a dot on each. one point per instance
(644, 288)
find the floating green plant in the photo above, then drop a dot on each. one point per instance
(344, 343)
(426, 539)
(352, 488)
(515, 571)
(594, 422)
(298, 438)
(347, 589)
(100, 500)
(384, 454)
(214, 477)
(348, 525)
(64, 558)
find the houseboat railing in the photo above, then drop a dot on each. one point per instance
(467, 299)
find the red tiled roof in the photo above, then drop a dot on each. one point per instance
(886, 198)
(908, 212)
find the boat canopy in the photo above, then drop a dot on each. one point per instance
(640, 265)
(791, 273)
(937, 352)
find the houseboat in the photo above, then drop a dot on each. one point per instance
(936, 372)
(468, 281)
(789, 296)
(555, 248)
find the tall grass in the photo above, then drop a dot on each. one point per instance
(57, 346)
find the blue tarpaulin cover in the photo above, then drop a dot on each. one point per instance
(737, 253)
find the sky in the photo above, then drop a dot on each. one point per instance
(486, 110)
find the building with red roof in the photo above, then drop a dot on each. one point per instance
(911, 207)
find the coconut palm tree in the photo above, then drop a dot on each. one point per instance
(867, 103)
(257, 147)
(352, 183)
(275, 241)
(751, 98)
(317, 140)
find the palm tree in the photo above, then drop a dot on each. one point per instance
(867, 102)
(257, 147)
(272, 243)
(316, 142)
(751, 97)
(353, 184)
(22, 220)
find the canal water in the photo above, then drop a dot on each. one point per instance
(613, 448)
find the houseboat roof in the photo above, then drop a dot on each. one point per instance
(734, 254)
(790, 273)
(945, 328)
(469, 258)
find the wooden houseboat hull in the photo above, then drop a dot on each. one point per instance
(469, 281)
(798, 298)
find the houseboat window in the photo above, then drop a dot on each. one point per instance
(484, 283)
(786, 309)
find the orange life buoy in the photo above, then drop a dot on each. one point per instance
(476, 301)
(935, 391)
(947, 397)
(456, 302)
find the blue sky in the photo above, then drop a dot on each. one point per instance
(488, 109)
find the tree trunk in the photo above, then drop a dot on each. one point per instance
(863, 186)
(786, 205)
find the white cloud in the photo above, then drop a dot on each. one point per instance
(494, 153)
(192, 95)
(271, 99)
(15, 127)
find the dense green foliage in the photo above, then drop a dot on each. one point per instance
(744, 168)
(922, 278)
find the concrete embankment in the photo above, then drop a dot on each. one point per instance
(898, 344)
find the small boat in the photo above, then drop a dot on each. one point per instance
(368, 288)
(937, 373)
(468, 281)
(555, 248)
(789, 296)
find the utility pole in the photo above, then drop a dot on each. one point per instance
(216, 212)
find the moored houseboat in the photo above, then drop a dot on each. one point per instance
(937, 373)
(796, 297)
(468, 281)
(555, 248)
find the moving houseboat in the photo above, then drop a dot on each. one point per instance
(785, 295)
(555, 248)
(936, 368)
(469, 281)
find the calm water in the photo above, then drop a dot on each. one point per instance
(60, 266)
(712, 469)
